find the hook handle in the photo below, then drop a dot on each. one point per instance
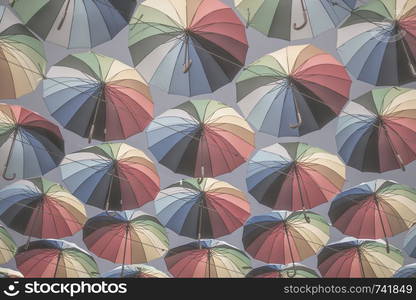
(300, 121)
(305, 18)
(13, 177)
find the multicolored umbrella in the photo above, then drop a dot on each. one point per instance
(7, 246)
(55, 259)
(377, 131)
(126, 237)
(111, 176)
(40, 208)
(75, 23)
(409, 244)
(98, 97)
(293, 91)
(350, 258)
(135, 271)
(207, 259)
(377, 42)
(187, 47)
(9, 273)
(283, 271)
(201, 138)
(294, 176)
(30, 145)
(408, 271)
(202, 208)
(294, 19)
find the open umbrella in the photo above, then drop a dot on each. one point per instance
(377, 131)
(201, 138)
(408, 271)
(202, 208)
(409, 244)
(7, 246)
(135, 271)
(111, 176)
(207, 259)
(293, 91)
(30, 145)
(187, 47)
(351, 258)
(9, 273)
(282, 271)
(75, 23)
(98, 97)
(294, 176)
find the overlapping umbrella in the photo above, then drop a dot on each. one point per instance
(135, 271)
(409, 244)
(283, 271)
(408, 271)
(7, 246)
(9, 273)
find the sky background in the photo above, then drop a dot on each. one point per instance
(259, 45)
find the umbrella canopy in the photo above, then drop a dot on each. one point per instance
(98, 97)
(408, 271)
(202, 208)
(40, 208)
(75, 23)
(284, 237)
(377, 131)
(293, 91)
(294, 19)
(409, 244)
(283, 271)
(7, 246)
(201, 138)
(55, 259)
(111, 176)
(207, 259)
(351, 258)
(30, 145)
(136, 271)
(9, 273)
(294, 176)
(377, 42)
(187, 47)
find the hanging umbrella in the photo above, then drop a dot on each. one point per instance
(98, 97)
(377, 131)
(30, 145)
(202, 208)
(377, 42)
(408, 271)
(294, 19)
(136, 271)
(111, 176)
(283, 271)
(7, 246)
(293, 91)
(350, 258)
(126, 237)
(187, 47)
(55, 259)
(40, 208)
(74, 23)
(207, 259)
(294, 176)
(409, 244)
(201, 138)
(9, 273)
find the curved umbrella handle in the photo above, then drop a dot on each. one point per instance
(300, 121)
(292, 275)
(13, 177)
(305, 18)
(6, 166)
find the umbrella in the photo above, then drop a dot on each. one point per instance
(409, 244)
(207, 259)
(30, 145)
(55, 259)
(377, 131)
(111, 176)
(293, 91)
(98, 97)
(40, 208)
(9, 273)
(377, 42)
(408, 271)
(187, 47)
(202, 208)
(350, 258)
(75, 23)
(294, 176)
(375, 209)
(294, 19)
(283, 271)
(284, 237)
(126, 237)
(136, 271)
(7, 246)
(201, 138)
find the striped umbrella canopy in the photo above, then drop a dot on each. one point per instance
(377, 131)
(40, 208)
(409, 244)
(136, 271)
(187, 47)
(207, 259)
(377, 42)
(283, 237)
(294, 19)
(7, 246)
(283, 271)
(111, 176)
(75, 23)
(293, 91)
(201, 138)
(9, 273)
(51, 258)
(98, 97)
(352, 258)
(30, 145)
(294, 176)
(408, 271)
(202, 208)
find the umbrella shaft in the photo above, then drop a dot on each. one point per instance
(382, 225)
(125, 250)
(64, 16)
(97, 108)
